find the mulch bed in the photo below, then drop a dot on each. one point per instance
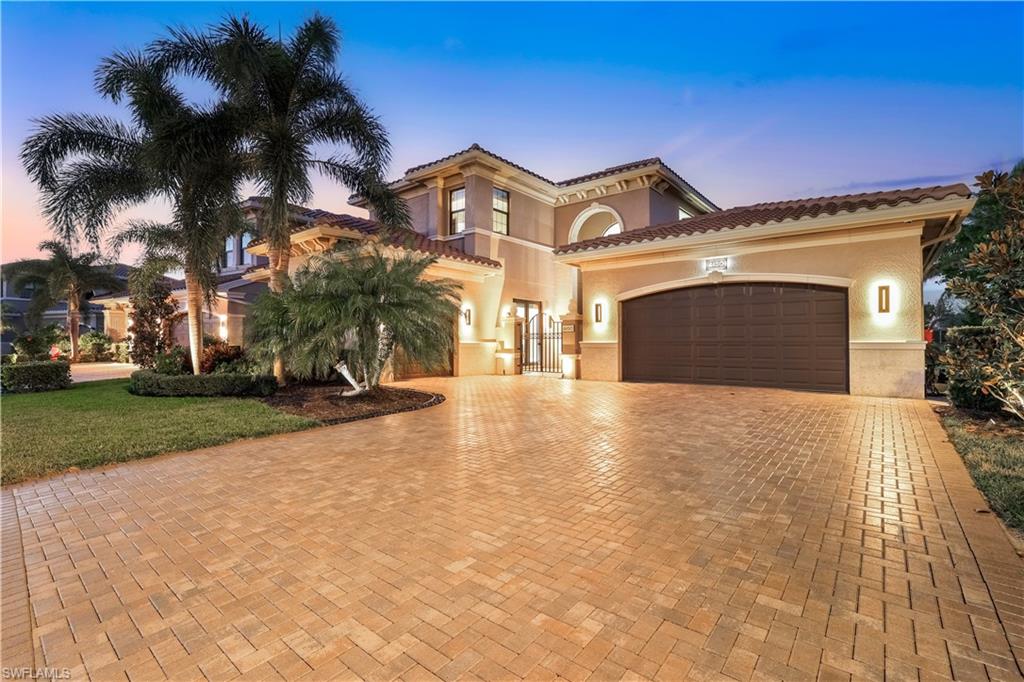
(325, 403)
(985, 423)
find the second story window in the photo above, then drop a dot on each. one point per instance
(457, 210)
(246, 256)
(229, 252)
(683, 214)
(499, 210)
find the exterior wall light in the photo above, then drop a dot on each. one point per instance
(598, 312)
(884, 301)
(467, 316)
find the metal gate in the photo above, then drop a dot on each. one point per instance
(542, 345)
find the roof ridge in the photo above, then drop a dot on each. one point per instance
(853, 197)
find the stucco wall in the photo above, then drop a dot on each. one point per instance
(886, 356)
(634, 206)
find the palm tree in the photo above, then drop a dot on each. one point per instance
(62, 276)
(297, 103)
(91, 167)
(360, 304)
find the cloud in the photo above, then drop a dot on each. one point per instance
(966, 176)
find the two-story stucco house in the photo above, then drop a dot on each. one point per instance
(631, 274)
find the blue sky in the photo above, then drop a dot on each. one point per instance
(749, 102)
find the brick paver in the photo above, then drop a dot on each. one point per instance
(530, 528)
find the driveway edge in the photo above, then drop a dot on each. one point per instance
(16, 648)
(1001, 568)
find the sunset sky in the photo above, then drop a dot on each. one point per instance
(748, 102)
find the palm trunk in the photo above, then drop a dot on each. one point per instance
(279, 259)
(74, 317)
(194, 308)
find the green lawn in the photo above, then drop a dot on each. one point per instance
(994, 455)
(101, 422)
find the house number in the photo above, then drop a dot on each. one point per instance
(712, 264)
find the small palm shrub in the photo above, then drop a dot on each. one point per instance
(358, 304)
(36, 344)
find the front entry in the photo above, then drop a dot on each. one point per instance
(541, 349)
(751, 334)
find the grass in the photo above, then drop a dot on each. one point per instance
(100, 422)
(993, 451)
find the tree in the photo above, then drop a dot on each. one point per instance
(991, 281)
(988, 214)
(62, 276)
(154, 314)
(360, 304)
(296, 102)
(91, 167)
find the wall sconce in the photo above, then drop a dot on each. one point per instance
(883, 298)
(598, 312)
(467, 316)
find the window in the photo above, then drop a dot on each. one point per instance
(614, 228)
(684, 214)
(499, 210)
(229, 252)
(457, 210)
(246, 256)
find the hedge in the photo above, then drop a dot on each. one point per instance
(30, 377)
(148, 382)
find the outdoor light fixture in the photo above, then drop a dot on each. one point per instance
(883, 298)
(598, 312)
(467, 315)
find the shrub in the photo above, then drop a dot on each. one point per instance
(148, 382)
(964, 362)
(217, 354)
(36, 344)
(154, 315)
(174, 362)
(93, 346)
(30, 377)
(121, 352)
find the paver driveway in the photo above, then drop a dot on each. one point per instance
(535, 528)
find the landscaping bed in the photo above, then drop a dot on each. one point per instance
(992, 448)
(325, 403)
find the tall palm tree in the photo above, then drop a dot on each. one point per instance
(90, 167)
(297, 103)
(360, 304)
(62, 276)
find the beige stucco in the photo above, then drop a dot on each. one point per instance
(886, 353)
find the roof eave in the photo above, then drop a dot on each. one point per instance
(958, 208)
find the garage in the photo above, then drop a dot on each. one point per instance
(781, 335)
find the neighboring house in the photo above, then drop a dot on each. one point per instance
(631, 274)
(16, 305)
(223, 318)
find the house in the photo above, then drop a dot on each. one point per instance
(223, 318)
(16, 305)
(631, 274)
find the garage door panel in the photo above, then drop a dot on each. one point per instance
(756, 334)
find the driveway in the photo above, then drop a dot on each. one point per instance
(98, 371)
(529, 528)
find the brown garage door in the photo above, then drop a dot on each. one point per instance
(754, 334)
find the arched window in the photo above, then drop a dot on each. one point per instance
(614, 228)
(597, 220)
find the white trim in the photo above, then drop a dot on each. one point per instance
(888, 345)
(906, 212)
(593, 209)
(737, 277)
(599, 343)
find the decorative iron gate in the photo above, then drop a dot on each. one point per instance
(542, 345)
